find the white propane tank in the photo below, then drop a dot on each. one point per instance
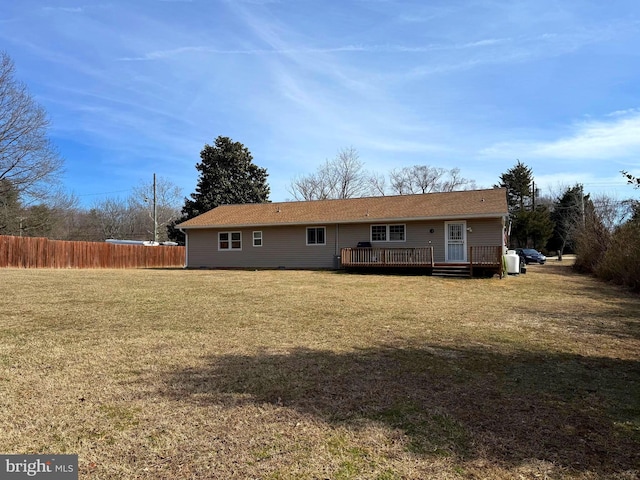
(513, 262)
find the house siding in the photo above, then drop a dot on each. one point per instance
(485, 232)
(285, 246)
(282, 247)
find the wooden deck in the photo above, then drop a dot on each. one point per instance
(481, 260)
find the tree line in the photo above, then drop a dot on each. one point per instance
(59, 217)
(345, 176)
(603, 233)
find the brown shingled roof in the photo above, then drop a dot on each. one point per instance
(450, 205)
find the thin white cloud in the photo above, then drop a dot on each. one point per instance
(253, 2)
(618, 138)
(484, 43)
(177, 52)
(64, 9)
(501, 51)
(622, 113)
(598, 140)
(399, 146)
(306, 50)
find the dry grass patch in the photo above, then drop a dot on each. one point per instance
(285, 375)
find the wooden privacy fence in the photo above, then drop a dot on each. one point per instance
(28, 252)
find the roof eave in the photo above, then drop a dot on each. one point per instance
(345, 222)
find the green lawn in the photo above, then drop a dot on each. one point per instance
(165, 374)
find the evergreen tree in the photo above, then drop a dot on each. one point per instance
(539, 227)
(10, 208)
(517, 181)
(531, 225)
(227, 176)
(568, 217)
(38, 221)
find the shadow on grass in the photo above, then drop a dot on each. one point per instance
(579, 413)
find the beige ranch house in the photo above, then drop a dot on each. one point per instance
(455, 231)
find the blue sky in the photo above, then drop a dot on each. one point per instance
(140, 86)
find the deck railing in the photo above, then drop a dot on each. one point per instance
(486, 256)
(483, 256)
(387, 257)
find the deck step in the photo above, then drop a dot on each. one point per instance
(452, 271)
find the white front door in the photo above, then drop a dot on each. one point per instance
(456, 241)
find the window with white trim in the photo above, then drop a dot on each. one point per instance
(388, 233)
(316, 236)
(257, 239)
(396, 233)
(229, 241)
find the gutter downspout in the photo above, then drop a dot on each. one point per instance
(337, 246)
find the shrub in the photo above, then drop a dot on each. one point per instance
(621, 261)
(592, 243)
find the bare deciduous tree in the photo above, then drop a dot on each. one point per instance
(457, 182)
(168, 198)
(113, 219)
(28, 159)
(133, 218)
(427, 179)
(342, 177)
(611, 211)
(51, 218)
(378, 184)
(345, 177)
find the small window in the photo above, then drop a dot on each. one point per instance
(316, 236)
(257, 239)
(396, 233)
(229, 241)
(236, 240)
(378, 233)
(223, 241)
(456, 231)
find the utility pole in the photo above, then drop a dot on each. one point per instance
(533, 194)
(584, 222)
(155, 211)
